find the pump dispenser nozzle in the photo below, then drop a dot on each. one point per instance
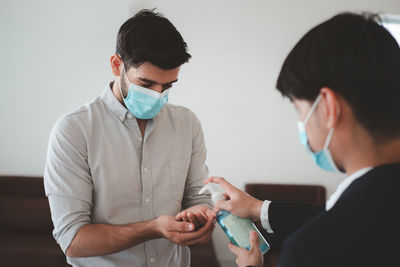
(216, 193)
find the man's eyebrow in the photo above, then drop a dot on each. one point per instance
(154, 82)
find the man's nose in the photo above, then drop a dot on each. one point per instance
(157, 87)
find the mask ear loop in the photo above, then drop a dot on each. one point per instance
(328, 138)
(313, 107)
(120, 85)
(329, 155)
(120, 90)
(126, 74)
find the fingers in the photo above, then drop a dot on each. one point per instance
(201, 235)
(211, 214)
(182, 216)
(202, 219)
(194, 219)
(178, 217)
(201, 240)
(206, 228)
(205, 213)
(235, 249)
(219, 180)
(182, 226)
(223, 205)
(197, 215)
(185, 216)
(254, 243)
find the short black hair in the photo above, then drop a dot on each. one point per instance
(355, 56)
(148, 36)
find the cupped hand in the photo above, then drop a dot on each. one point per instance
(198, 215)
(184, 233)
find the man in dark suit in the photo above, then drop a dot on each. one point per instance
(343, 77)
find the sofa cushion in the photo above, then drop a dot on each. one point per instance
(29, 249)
(23, 204)
(25, 213)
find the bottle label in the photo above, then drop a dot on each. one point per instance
(240, 229)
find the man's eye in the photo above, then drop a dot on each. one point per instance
(147, 85)
(165, 87)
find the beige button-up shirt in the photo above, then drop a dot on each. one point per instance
(100, 170)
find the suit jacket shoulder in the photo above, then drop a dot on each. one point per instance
(362, 229)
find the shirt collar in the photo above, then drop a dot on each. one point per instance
(344, 185)
(113, 104)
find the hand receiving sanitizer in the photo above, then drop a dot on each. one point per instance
(236, 228)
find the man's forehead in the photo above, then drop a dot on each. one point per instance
(148, 72)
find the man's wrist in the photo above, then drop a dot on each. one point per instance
(155, 228)
(149, 229)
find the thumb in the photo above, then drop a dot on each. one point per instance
(182, 226)
(254, 242)
(211, 214)
(223, 205)
(234, 249)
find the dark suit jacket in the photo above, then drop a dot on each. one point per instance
(362, 228)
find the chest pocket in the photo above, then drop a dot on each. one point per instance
(178, 171)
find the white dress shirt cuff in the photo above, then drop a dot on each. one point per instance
(264, 217)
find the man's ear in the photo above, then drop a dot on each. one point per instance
(331, 107)
(116, 65)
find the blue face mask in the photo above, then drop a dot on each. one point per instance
(322, 158)
(144, 103)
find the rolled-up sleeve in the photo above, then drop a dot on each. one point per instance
(198, 170)
(67, 181)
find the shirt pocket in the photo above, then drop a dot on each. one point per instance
(178, 171)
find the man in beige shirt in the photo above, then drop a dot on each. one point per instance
(121, 168)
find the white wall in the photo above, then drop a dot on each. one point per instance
(55, 57)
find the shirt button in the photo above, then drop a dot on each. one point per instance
(147, 199)
(145, 169)
(152, 260)
(130, 116)
(122, 118)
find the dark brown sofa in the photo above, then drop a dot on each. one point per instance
(26, 228)
(25, 224)
(313, 194)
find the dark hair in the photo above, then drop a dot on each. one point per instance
(148, 36)
(357, 58)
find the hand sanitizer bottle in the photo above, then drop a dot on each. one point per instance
(236, 228)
